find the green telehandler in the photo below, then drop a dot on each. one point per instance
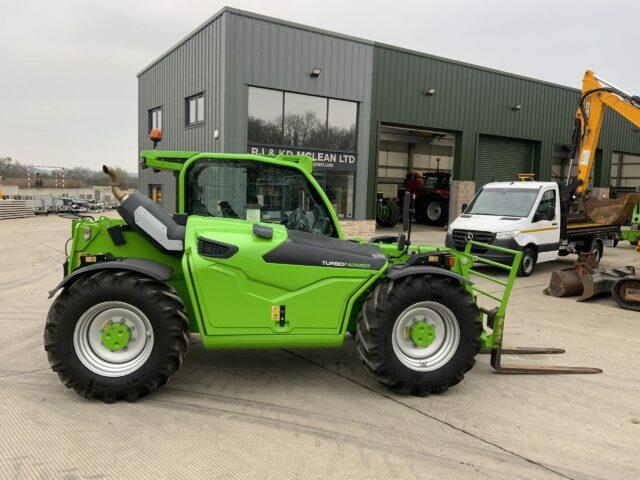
(255, 258)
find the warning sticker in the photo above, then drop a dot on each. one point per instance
(584, 158)
(275, 312)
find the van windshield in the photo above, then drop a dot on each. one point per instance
(504, 202)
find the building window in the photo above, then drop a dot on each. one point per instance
(195, 109)
(338, 187)
(342, 121)
(305, 121)
(155, 192)
(265, 116)
(155, 118)
(289, 119)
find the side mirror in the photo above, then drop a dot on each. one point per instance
(550, 213)
(464, 207)
(406, 211)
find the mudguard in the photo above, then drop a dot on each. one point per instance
(398, 271)
(151, 268)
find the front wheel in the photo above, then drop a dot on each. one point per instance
(527, 262)
(420, 334)
(116, 335)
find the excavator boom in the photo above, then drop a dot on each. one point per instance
(597, 94)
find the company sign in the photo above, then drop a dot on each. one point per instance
(322, 160)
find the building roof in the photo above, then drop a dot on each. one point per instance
(308, 28)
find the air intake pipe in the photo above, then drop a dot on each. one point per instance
(116, 181)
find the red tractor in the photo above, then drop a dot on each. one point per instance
(431, 191)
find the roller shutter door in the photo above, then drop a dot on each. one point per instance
(502, 159)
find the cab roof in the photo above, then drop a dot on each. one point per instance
(518, 184)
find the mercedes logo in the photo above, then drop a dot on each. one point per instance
(468, 237)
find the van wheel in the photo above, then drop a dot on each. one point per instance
(597, 247)
(527, 263)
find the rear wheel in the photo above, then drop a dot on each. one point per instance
(597, 248)
(436, 210)
(419, 335)
(388, 213)
(116, 335)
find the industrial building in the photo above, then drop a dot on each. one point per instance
(366, 112)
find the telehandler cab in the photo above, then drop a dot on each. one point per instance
(254, 258)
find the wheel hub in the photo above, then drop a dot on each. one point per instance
(113, 338)
(434, 211)
(425, 336)
(422, 333)
(116, 336)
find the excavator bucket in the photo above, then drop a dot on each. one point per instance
(611, 211)
(586, 279)
(568, 282)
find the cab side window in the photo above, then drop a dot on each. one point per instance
(547, 201)
(257, 192)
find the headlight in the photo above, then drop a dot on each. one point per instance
(506, 235)
(450, 230)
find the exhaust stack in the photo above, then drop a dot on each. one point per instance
(116, 181)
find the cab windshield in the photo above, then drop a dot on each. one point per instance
(504, 202)
(257, 192)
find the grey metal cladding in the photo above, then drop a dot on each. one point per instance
(234, 49)
(270, 53)
(193, 66)
(476, 100)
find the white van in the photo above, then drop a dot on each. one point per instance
(525, 216)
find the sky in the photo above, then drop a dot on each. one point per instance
(68, 88)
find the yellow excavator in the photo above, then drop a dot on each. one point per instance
(597, 94)
(583, 213)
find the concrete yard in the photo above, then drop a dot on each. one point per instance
(318, 414)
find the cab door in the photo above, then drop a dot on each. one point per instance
(545, 229)
(259, 250)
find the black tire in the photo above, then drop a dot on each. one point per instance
(435, 210)
(160, 304)
(419, 209)
(597, 247)
(385, 306)
(527, 263)
(390, 219)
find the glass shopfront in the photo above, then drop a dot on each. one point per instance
(324, 128)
